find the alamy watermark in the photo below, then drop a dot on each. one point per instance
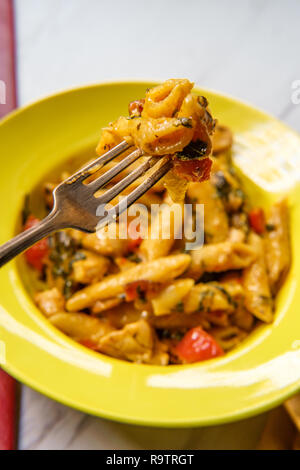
(2, 92)
(156, 222)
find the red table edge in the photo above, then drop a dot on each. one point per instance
(8, 386)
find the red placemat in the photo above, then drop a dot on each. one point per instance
(8, 101)
(8, 95)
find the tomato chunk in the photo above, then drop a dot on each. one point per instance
(135, 108)
(257, 220)
(89, 344)
(133, 244)
(197, 345)
(37, 253)
(193, 170)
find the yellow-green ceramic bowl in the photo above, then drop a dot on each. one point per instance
(259, 374)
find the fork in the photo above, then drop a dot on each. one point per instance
(76, 206)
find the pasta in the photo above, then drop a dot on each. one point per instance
(169, 121)
(150, 298)
(277, 244)
(220, 257)
(258, 298)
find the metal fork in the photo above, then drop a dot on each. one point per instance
(75, 204)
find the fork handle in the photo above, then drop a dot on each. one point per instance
(26, 239)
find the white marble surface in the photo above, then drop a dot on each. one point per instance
(248, 48)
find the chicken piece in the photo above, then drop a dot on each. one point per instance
(105, 245)
(82, 327)
(91, 268)
(50, 301)
(135, 342)
(236, 235)
(160, 354)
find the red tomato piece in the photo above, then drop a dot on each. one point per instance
(257, 220)
(193, 170)
(197, 345)
(135, 108)
(37, 253)
(89, 344)
(133, 244)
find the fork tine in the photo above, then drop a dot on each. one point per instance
(111, 193)
(149, 182)
(112, 214)
(110, 174)
(95, 165)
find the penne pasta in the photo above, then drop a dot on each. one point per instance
(258, 299)
(220, 257)
(278, 254)
(170, 298)
(158, 271)
(135, 342)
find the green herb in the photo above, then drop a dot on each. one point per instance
(175, 335)
(68, 289)
(134, 258)
(227, 295)
(202, 101)
(179, 307)
(221, 184)
(203, 296)
(240, 194)
(79, 256)
(265, 299)
(270, 227)
(63, 250)
(134, 116)
(141, 294)
(185, 122)
(193, 150)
